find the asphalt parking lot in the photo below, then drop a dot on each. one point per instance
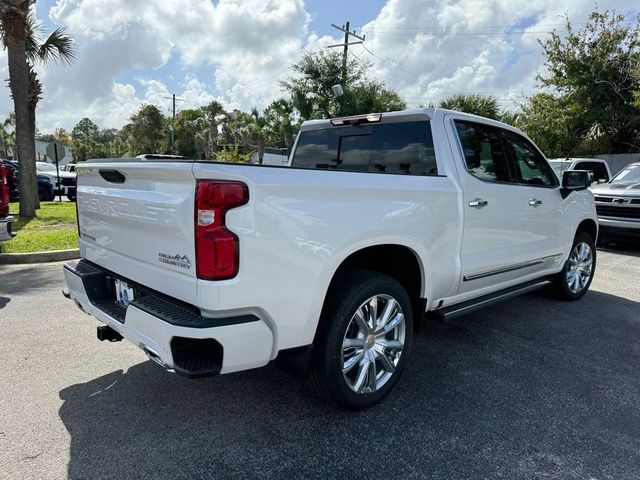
(531, 388)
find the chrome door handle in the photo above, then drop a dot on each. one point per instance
(478, 203)
(535, 202)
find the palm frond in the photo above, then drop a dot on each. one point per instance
(34, 36)
(59, 46)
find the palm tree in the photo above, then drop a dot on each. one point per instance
(213, 114)
(261, 132)
(57, 47)
(13, 28)
(280, 116)
(485, 106)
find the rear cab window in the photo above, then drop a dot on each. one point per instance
(404, 148)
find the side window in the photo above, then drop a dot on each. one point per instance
(531, 167)
(598, 169)
(405, 148)
(483, 152)
(317, 149)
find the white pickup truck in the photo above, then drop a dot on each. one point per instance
(327, 265)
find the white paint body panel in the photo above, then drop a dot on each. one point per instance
(300, 225)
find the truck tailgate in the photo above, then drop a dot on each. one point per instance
(136, 218)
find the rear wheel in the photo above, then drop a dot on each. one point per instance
(45, 194)
(574, 279)
(364, 340)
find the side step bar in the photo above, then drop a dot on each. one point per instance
(460, 309)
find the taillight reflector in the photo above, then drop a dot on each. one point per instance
(217, 248)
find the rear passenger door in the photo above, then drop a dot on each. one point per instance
(495, 236)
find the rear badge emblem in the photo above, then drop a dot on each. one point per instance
(180, 261)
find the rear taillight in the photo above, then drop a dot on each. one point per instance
(217, 249)
(4, 192)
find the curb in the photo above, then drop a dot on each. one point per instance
(38, 257)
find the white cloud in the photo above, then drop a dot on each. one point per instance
(135, 52)
(430, 50)
(247, 45)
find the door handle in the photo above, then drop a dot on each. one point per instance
(478, 203)
(535, 202)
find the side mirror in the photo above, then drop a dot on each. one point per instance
(574, 180)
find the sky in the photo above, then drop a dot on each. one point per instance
(133, 52)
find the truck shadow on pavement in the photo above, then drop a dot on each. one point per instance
(527, 389)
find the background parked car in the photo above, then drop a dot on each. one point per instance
(598, 167)
(67, 184)
(45, 184)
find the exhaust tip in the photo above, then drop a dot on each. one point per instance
(66, 293)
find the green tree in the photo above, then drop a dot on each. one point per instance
(550, 122)
(594, 71)
(190, 130)
(232, 155)
(84, 140)
(260, 131)
(283, 124)
(109, 144)
(13, 28)
(213, 113)
(315, 74)
(61, 135)
(372, 96)
(147, 132)
(485, 106)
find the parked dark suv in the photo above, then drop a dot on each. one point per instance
(45, 187)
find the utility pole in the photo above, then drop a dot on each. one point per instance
(173, 118)
(345, 46)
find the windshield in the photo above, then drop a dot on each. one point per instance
(45, 167)
(557, 166)
(630, 174)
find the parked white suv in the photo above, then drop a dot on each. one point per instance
(327, 265)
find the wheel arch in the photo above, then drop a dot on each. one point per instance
(397, 261)
(590, 227)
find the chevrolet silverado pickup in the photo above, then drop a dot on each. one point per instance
(326, 265)
(618, 205)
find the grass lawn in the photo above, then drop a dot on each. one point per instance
(54, 228)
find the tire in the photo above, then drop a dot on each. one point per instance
(383, 353)
(573, 281)
(45, 195)
(71, 198)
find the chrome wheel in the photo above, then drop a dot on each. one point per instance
(580, 267)
(373, 343)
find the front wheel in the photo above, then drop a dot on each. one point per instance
(573, 281)
(363, 341)
(45, 194)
